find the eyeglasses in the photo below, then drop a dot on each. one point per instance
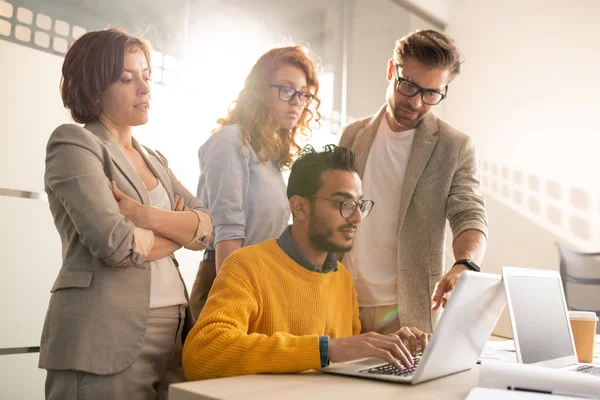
(409, 89)
(287, 93)
(348, 207)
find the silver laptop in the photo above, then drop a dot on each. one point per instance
(540, 320)
(466, 325)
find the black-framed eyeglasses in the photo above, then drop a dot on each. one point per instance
(287, 93)
(348, 207)
(410, 89)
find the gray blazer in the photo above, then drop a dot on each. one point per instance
(441, 183)
(98, 312)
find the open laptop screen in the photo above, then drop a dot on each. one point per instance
(539, 315)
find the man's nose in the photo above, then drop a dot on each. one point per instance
(416, 102)
(356, 218)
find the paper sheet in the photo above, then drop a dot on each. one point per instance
(479, 393)
(499, 350)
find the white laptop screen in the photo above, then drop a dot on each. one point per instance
(539, 315)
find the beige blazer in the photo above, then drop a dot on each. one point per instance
(98, 312)
(441, 183)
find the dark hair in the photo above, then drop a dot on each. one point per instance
(94, 62)
(430, 47)
(305, 178)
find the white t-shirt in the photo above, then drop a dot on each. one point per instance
(373, 258)
(166, 287)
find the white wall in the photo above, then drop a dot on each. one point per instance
(439, 9)
(529, 90)
(528, 95)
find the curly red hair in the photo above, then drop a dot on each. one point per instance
(250, 111)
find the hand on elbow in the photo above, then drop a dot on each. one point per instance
(131, 209)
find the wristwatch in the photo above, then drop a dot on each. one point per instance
(469, 264)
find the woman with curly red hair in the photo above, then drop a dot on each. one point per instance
(241, 164)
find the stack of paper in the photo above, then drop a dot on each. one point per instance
(536, 379)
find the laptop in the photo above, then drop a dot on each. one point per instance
(540, 320)
(466, 325)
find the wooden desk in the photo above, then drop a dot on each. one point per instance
(319, 385)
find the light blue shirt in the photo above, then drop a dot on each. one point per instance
(245, 197)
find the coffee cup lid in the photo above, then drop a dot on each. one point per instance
(583, 315)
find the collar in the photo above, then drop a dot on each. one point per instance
(287, 244)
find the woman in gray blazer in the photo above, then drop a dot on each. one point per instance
(118, 312)
(241, 163)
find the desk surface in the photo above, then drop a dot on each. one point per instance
(319, 385)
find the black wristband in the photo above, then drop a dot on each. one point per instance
(469, 264)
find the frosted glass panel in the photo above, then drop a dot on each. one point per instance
(27, 120)
(31, 256)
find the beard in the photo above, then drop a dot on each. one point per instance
(400, 118)
(320, 236)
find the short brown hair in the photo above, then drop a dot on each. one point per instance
(94, 62)
(432, 48)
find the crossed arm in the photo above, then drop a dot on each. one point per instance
(178, 226)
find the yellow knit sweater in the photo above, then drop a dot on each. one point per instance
(265, 314)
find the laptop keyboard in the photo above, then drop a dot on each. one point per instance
(389, 369)
(588, 369)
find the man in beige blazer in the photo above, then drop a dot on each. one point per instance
(420, 172)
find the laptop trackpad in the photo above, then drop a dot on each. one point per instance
(366, 362)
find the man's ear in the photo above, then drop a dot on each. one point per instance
(300, 207)
(391, 70)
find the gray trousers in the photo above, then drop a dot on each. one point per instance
(158, 365)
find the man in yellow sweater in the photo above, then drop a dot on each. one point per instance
(287, 305)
